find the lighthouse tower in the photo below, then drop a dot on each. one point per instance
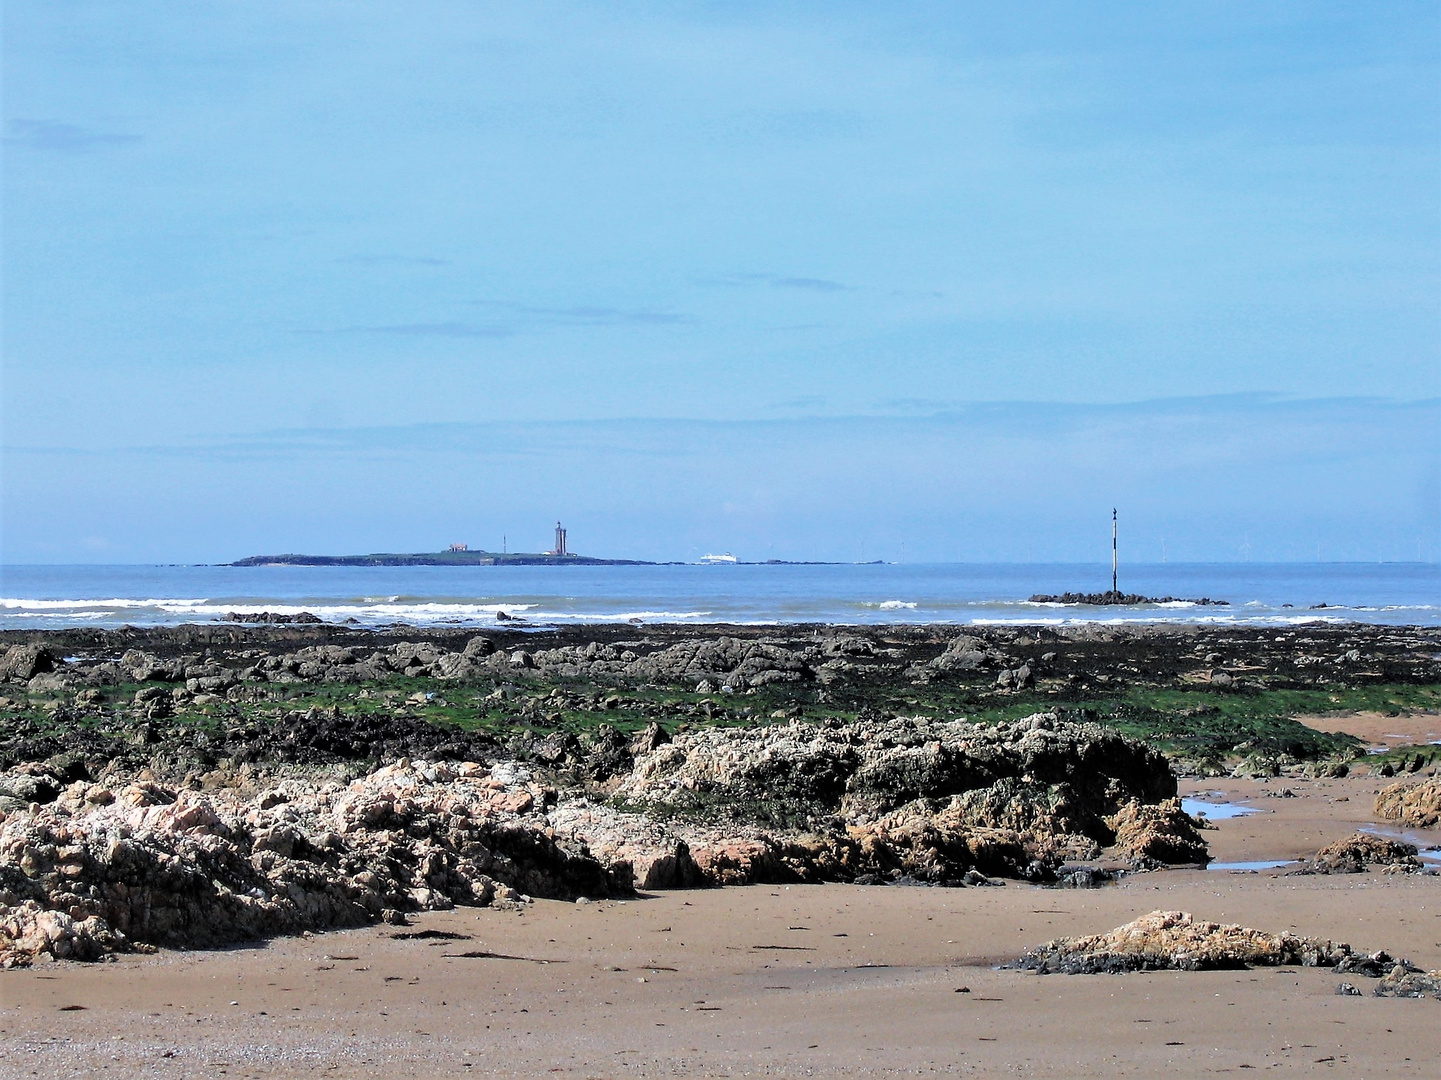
(559, 540)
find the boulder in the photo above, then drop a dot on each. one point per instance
(1361, 851)
(24, 662)
(26, 787)
(649, 739)
(478, 648)
(1416, 805)
(632, 846)
(140, 666)
(965, 653)
(939, 845)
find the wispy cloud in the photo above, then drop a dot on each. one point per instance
(585, 315)
(431, 329)
(59, 136)
(915, 404)
(814, 284)
(392, 260)
(521, 318)
(775, 281)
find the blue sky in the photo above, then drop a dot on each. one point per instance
(314, 276)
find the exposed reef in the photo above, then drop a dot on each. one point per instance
(202, 784)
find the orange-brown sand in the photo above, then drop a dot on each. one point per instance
(1378, 729)
(771, 981)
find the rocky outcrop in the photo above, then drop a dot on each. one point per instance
(1360, 852)
(1039, 772)
(98, 870)
(1173, 940)
(1417, 806)
(647, 850)
(1159, 833)
(933, 801)
(729, 663)
(181, 836)
(1104, 599)
(277, 617)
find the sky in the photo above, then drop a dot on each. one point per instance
(929, 281)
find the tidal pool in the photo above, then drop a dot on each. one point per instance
(1216, 811)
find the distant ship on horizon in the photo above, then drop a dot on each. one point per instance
(719, 560)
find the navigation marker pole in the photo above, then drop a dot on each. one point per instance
(1114, 590)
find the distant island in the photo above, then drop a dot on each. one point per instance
(464, 557)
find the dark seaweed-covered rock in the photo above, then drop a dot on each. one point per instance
(313, 737)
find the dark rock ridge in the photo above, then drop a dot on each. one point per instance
(838, 661)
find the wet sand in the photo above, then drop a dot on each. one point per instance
(773, 981)
(1295, 825)
(1377, 729)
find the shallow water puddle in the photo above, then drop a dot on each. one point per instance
(1429, 851)
(1216, 811)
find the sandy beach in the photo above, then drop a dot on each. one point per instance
(820, 980)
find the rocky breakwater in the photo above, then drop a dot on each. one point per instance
(875, 801)
(98, 870)
(1174, 940)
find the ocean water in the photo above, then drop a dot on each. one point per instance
(985, 594)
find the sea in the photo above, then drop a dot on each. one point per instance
(1279, 594)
